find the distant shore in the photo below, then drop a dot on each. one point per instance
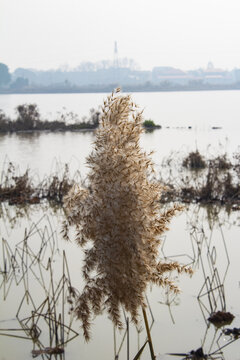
(124, 88)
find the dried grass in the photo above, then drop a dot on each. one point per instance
(120, 215)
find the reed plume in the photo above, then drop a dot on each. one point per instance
(119, 214)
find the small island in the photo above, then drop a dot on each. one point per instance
(150, 125)
(29, 119)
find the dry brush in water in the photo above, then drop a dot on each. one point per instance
(119, 215)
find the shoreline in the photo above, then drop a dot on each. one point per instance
(147, 129)
(46, 131)
(123, 90)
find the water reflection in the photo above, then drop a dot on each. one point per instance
(43, 318)
(37, 280)
(211, 296)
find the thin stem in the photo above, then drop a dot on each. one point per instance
(148, 334)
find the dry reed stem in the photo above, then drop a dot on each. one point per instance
(120, 215)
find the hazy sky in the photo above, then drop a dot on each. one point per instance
(187, 34)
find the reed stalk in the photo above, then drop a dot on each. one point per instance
(150, 343)
(119, 214)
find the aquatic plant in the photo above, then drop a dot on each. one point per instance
(119, 214)
(19, 189)
(14, 187)
(217, 182)
(222, 162)
(194, 161)
(58, 186)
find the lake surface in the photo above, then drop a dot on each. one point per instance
(33, 254)
(175, 111)
(199, 109)
(33, 258)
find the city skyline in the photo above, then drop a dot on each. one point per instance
(122, 63)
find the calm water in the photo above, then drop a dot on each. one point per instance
(175, 111)
(207, 238)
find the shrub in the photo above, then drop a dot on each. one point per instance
(194, 161)
(27, 116)
(4, 122)
(149, 123)
(222, 162)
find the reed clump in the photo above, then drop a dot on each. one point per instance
(194, 161)
(22, 189)
(217, 182)
(15, 188)
(58, 186)
(119, 215)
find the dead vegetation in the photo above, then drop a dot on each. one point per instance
(201, 180)
(46, 324)
(29, 119)
(120, 216)
(44, 312)
(194, 161)
(20, 189)
(218, 182)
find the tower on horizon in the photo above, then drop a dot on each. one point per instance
(115, 56)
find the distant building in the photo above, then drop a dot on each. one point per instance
(115, 57)
(169, 74)
(236, 75)
(212, 75)
(123, 71)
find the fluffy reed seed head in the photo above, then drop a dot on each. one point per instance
(120, 215)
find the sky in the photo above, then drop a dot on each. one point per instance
(186, 34)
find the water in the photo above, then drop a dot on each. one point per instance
(206, 237)
(175, 111)
(199, 109)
